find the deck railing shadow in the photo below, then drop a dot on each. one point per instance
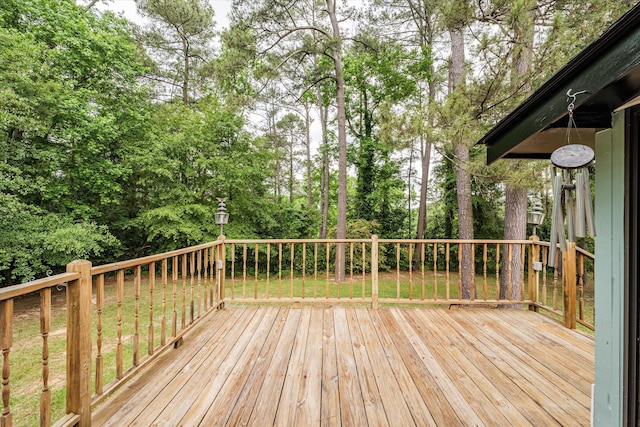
(121, 316)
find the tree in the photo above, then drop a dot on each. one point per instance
(70, 105)
(457, 15)
(292, 129)
(283, 25)
(179, 37)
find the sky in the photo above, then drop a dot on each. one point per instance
(128, 9)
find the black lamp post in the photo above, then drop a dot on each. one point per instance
(222, 216)
(535, 216)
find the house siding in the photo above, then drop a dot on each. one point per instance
(609, 274)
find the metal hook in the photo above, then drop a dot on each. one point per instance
(573, 97)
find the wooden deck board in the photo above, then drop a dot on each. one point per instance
(356, 366)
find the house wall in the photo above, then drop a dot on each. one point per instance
(609, 274)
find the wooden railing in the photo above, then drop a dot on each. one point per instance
(121, 316)
(567, 288)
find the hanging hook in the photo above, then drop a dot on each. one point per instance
(573, 97)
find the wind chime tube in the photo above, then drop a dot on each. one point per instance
(591, 224)
(580, 205)
(553, 238)
(569, 202)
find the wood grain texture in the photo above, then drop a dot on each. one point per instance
(356, 366)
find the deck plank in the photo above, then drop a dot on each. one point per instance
(264, 412)
(371, 393)
(352, 403)
(475, 388)
(560, 406)
(210, 411)
(308, 403)
(207, 373)
(286, 413)
(330, 400)
(238, 412)
(439, 406)
(150, 384)
(354, 366)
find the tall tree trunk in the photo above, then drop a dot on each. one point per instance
(185, 81)
(515, 211)
(307, 121)
(324, 186)
(291, 175)
(514, 229)
(341, 227)
(463, 178)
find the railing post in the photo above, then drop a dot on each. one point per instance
(534, 256)
(6, 341)
(569, 285)
(374, 272)
(220, 266)
(79, 342)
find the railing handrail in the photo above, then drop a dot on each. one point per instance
(578, 249)
(14, 291)
(119, 265)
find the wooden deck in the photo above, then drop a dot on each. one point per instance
(309, 366)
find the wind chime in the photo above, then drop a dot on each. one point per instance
(571, 190)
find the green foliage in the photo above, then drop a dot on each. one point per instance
(33, 241)
(70, 104)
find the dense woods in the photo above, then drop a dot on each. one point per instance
(314, 118)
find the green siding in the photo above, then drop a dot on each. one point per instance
(609, 274)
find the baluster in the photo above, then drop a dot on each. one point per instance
(6, 341)
(304, 266)
(99, 311)
(163, 324)
(192, 267)
(581, 285)
(184, 291)
(279, 270)
(397, 270)
(522, 285)
(174, 280)
(268, 269)
(291, 257)
(364, 268)
(555, 282)
(255, 280)
(435, 271)
(410, 252)
(422, 286)
(460, 251)
(544, 276)
(351, 270)
(152, 285)
(244, 270)
(136, 314)
(484, 272)
(233, 270)
(315, 270)
(212, 276)
(509, 276)
(497, 271)
(447, 270)
(119, 299)
(45, 327)
(473, 271)
(200, 287)
(205, 278)
(326, 292)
